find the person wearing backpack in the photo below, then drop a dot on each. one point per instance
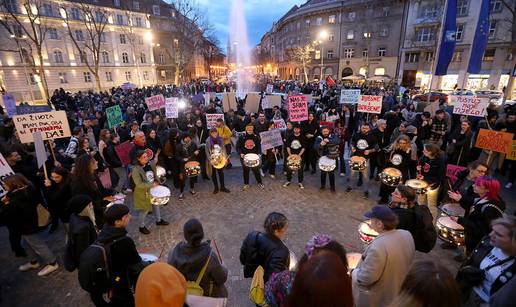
(110, 267)
(198, 262)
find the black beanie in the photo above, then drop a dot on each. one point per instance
(193, 232)
(115, 212)
(78, 203)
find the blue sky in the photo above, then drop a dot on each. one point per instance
(260, 15)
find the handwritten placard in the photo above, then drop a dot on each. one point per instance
(5, 171)
(370, 104)
(494, 140)
(452, 171)
(297, 108)
(211, 120)
(470, 105)
(114, 116)
(53, 125)
(279, 124)
(349, 96)
(155, 102)
(172, 107)
(271, 139)
(512, 154)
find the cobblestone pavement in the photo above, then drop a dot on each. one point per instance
(227, 218)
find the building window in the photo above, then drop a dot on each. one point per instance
(384, 31)
(349, 53)
(87, 76)
(352, 16)
(425, 34)
(492, 29)
(412, 57)
(47, 10)
(100, 17)
(109, 76)
(331, 37)
(10, 6)
(350, 34)
(462, 7)
(459, 33)
(429, 56)
(75, 13)
(365, 53)
(380, 71)
(318, 21)
(457, 56)
(382, 52)
(82, 56)
(155, 9)
(123, 39)
(103, 37)
(116, 3)
(317, 55)
(58, 56)
(143, 58)
(62, 78)
(79, 35)
(385, 11)
(496, 6)
(125, 57)
(489, 54)
(136, 5)
(161, 58)
(176, 43)
(431, 12)
(105, 57)
(367, 34)
(52, 33)
(331, 19)
(128, 76)
(329, 54)
(307, 23)
(145, 75)
(138, 21)
(120, 19)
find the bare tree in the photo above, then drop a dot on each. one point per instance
(210, 51)
(302, 55)
(510, 5)
(92, 20)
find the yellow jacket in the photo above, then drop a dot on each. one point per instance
(225, 134)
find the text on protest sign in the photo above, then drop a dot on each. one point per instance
(279, 124)
(53, 125)
(349, 96)
(123, 152)
(270, 88)
(114, 116)
(211, 120)
(370, 104)
(155, 102)
(172, 107)
(10, 104)
(470, 105)
(5, 171)
(452, 171)
(512, 154)
(494, 140)
(271, 139)
(265, 103)
(297, 108)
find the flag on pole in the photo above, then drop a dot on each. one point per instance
(447, 45)
(329, 81)
(41, 153)
(480, 41)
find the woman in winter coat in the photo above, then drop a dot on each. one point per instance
(57, 193)
(460, 144)
(82, 230)
(191, 256)
(113, 161)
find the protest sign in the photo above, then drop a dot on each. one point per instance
(123, 151)
(452, 171)
(10, 104)
(39, 146)
(270, 88)
(274, 101)
(265, 103)
(279, 124)
(270, 139)
(172, 107)
(211, 120)
(494, 140)
(370, 104)
(512, 153)
(155, 102)
(5, 171)
(114, 116)
(206, 99)
(229, 101)
(53, 125)
(349, 96)
(252, 102)
(469, 105)
(297, 108)
(27, 109)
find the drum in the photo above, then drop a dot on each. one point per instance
(353, 260)
(160, 195)
(217, 158)
(294, 162)
(192, 168)
(420, 186)
(326, 164)
(161, 174)
(391, 176)
(449, 231)
(148, 257)
(118, 199)
(452, 210)
(366, 233)
(251, 160)
(357, 163)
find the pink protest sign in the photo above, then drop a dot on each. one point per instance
(155, 102)
(297, 108)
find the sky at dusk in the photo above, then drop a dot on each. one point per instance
(260, 15)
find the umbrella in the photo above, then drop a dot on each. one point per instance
(354, 78)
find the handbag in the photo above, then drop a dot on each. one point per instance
(194, 287)
(257, 290)
(43, 216)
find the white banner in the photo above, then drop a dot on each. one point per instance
(470, 105)
(349, 96)
(211, 120)
(370, 104)
(271, 139)
(172, 107)
(5, 171)
(53, 125)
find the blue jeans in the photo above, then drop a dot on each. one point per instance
(36, 246)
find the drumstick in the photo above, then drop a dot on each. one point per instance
(218, 253)
(161, 253)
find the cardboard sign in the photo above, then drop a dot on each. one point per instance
(370, 104)
(512, 154)
(26, 109)
(494, 140)
(470, 105)
(39, 146)
(279, 124)
(155, 102)
(270, 88)
(206, 99)
(229, 101)
(349, 96)
(252, 102)
(172, 107)
(114, 116)
(274, 101)
(10, 104)
(53, 125)
(271, 139)
(297, 108)
(5, 171)
(211, 120)
(123, 152)
(452, 171)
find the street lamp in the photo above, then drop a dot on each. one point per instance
(322, 36)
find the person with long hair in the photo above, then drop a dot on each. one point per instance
(57, 192)
(214, 142)
(169, 151)
(430, 169)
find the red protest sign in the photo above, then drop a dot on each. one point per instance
(155, 102)
(494, 140)
(297, 108)
(452, 171)
(123, 150)
(326, 124)
(370, 104)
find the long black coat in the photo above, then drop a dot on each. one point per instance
(20, 213)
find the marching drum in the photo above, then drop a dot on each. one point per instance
(420, 186)
(251, 160)
(391, 176)
(161, 174)
(366, 233)
(217, 158)
(357, 163)
(160, 195)
(192, 168)
(449, 231)
(326, 164)
(453, 209)
(294, 162)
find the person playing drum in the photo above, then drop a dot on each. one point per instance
(143, 175)
(327, 144)
(430, 169)
(295, 145)
(249, 143)
(211, 142)
(363, 144)
(186, 151)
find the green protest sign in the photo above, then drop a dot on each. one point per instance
(114, 116)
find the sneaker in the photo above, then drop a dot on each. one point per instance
(348, 189)
(301, 186)
(162, 222)
(366, 195)
(286, 184)
(193, 192)
(245, 187)
(215, 191)
(225, 190)
(262, 173)
(322, 189)
(272, 176)
(49, 268)
(508, 185)
(144, 230)
(28, 266)
(181, 196)
(261, 186)
(342, 174)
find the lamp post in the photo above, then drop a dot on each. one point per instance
(322, 36)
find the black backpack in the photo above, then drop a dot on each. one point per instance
(94, 268)
(425, 235)
(249, 254)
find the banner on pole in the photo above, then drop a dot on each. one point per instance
(470, 105)
(5, 171)
(172, 107)
(271, 139)
(297, 108)
(211, 120)
(494, 140)
(53, 125)
(349, 96)
(155, 102)
(114, 116)
(370, 104)
(10, 104)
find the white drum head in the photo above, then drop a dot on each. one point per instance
(252, 157)
(449, 223)
(160, 191)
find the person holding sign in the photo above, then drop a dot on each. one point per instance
(295, 145)
(327, 145)
(249, 143)
(363, 145)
